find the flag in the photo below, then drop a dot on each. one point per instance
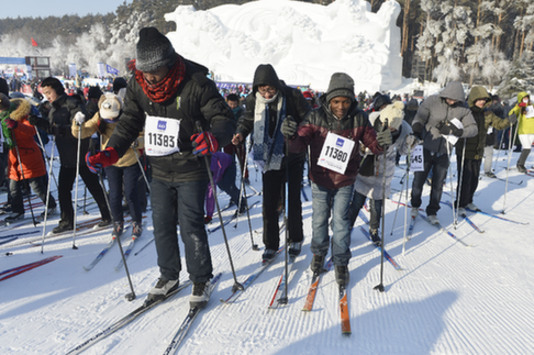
(34, 44)
(111, 70)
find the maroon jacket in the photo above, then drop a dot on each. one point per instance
(355, 125)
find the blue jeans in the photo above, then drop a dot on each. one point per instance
(336, 201)
(438, 165)
(183, 202)
(124, 179)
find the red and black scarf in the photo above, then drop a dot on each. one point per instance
(167, 87)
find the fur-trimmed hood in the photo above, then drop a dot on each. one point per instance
(20, 109)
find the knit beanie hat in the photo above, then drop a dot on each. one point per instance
(394, 113)
(154, 50)
(341, 84)
(119, 83)
(4, 102)
(94, 92)
(110, 106)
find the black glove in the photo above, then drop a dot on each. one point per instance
(417, 129)
(384, 138)
(33, 120)
(289, 127)
(447, 128)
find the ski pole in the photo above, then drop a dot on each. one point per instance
(237, 285)
(44, 151)
(460, 184)
(380, 286)
(142, 170)
(449, 170)
(510, 148)
(76, 186)
(22, 175)
(48, 193)
(129, 296)
(496, 159)
(243, 192)
(408, 166)
(284, 299)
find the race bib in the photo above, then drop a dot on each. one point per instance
(336, 153)
(530, 112)
(417, 160)
(161, 135)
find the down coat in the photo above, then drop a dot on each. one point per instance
(31, 157)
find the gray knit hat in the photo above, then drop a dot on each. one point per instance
(154, 50)
(341, 84)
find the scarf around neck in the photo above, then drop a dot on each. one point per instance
(166, 88)
(268, 151)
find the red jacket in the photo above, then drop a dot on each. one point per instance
(31, 156)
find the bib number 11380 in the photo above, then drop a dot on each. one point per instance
(335, 153)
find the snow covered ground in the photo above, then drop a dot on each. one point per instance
(448, 299)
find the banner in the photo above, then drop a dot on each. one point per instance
(101, 70)
(72, 70)
(112, 70)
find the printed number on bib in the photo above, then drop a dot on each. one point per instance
(161, 135)
(417, 160)
(336, 153)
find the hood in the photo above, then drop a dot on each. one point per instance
(521, 96)
(20, 109)
(453, 90)
(477, 92)
(265, 75)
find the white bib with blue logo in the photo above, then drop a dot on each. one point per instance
(336, 153)
(161, 135)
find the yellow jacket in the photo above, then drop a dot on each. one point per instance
(526, 125)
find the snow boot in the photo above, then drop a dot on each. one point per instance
(472, 206)
(414, 212)
(161, 290)
(374, 237)
(62, 227)
(137, 229)
(199, 295)
(294, 249)
(317, 264)
(521, 161)
(462, 212)
(268, 255)
(433, 219)
(13, 217)
(104, 223)
(342, 275)
(118, 228)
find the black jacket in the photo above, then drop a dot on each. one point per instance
(197, 99)
(60, 118)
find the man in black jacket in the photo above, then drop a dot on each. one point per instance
(170, 97)
(63, 109)
(270, 102)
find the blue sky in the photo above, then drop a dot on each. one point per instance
(44, 8)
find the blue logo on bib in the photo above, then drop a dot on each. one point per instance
(162, 125)
(339, 142)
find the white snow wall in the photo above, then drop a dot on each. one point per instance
(304, 42)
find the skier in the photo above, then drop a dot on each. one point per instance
(431, 123)
(62, 111)
(524, 112)
(266, 107)
(167, 97)
(125, 172)
(340, 120)
(369, 185)
(25, 160)
(472, 151)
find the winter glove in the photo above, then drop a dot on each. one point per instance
(204, 143)
(418, 130)
(289, 127)
(384, 138)
(96, 162)
(412, 141)
(10, 123)
(512, 119)
(34, 120)
(79, 118)
(447, 128)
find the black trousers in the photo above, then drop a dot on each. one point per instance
(274, 198)
(66, 179)
(469, 174)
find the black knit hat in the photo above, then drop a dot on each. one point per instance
(154, 50)
(119, 83)
(94, 92)
(341, 84)
(4, 87)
